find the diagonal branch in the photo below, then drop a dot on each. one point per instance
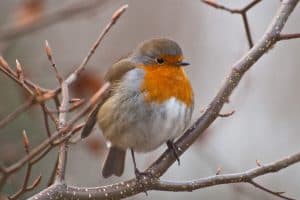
(231, 82)
(22, 108)
(117, 14)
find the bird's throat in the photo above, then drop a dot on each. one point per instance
(163, 82)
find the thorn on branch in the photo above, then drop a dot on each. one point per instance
(226, 114)
(219, 170)
(258, 163)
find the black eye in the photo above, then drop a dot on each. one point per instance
(160, 60)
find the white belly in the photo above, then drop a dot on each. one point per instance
(168, 122)
(145, 127)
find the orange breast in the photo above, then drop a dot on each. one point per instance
(163, 82)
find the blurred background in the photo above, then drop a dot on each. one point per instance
(264, 127)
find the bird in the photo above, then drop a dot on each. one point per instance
(150, 102)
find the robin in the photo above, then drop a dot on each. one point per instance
(150, 103)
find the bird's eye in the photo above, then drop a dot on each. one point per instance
(160, 60)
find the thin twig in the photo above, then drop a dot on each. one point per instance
(53, 173)
(25, 187)
(46, 121)
(221, 7)
(70, 130)
(7, 70)
(242, 12)
(50, 114)
(13, 31)
(72, 107)
(289, 36)
(278, 194)
(227, 114)
(51, 59)
(22, 108)
(250, 5)
(247, 29)
(117, 14)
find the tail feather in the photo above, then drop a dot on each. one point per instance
(114, 162)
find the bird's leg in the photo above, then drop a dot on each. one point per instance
(137, 172)
(173, 147)
(139, 175)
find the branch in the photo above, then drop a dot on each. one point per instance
(63, 149)
(45, 94)
(246, 176)
(62, 135)
(159, 167)
(22, 108)
(117, 14)
(12, 32)
(289, 36)
(25, 187)
(278, 194)
(242, 12)
(132, 187)
(231, 82)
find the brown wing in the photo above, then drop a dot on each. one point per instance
(114, 74)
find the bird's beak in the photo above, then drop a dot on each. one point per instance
(183, 64)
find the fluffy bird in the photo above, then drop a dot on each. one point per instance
(150, 103)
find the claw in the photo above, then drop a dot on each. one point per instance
(174, 148)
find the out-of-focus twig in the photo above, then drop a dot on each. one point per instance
(56, 138)
(117, 14)
(22, 108)
(53, 173)
(25, 187)
(51, 59)
(14, 31)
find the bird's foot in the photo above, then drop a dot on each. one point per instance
(175, 150)
(141, 178)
